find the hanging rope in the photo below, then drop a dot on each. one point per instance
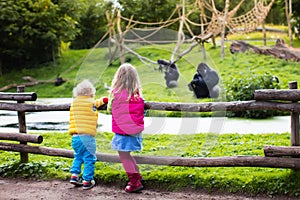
(211, 25)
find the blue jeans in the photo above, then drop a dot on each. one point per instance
(84, 153)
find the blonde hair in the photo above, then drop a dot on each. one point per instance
(85, 88)
(127, 78)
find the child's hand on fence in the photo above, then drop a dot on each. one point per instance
(101, 103)
(104, 100)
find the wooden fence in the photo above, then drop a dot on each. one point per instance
(275, 157)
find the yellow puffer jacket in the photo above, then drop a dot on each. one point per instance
(84, 115)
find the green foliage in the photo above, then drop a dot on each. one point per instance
(242, 89)
(92, 25)
(23, 170)
(153, 10)
(32, 32)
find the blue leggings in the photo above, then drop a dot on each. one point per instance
(84, 153)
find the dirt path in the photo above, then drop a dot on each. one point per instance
(62, 190)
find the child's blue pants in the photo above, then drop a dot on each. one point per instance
(84, 153)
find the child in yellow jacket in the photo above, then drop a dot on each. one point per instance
(83, 128)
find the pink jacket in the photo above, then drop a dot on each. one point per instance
(127, 116)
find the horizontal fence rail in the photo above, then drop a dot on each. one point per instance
(275, 151)
(29, 96)
(166, 106)
(289, 95)
(230, 161)
(22, 137)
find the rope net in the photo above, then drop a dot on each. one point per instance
(251, 20)
(210, 25)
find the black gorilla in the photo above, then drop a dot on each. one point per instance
(59, 81)
(205, 82)
(171, 72)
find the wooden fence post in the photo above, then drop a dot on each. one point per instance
(294, 120)
(22, 124)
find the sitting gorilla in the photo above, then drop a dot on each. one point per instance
(171, 72)
(205, 82)
(59, 81)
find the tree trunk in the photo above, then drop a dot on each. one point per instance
(121, 39)
(180, 34)
(1, 71)
(281, 50)
(32, 82)
(227, 4)
(288, 13)
(264, 33)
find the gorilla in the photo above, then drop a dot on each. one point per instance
(59, 81)
(171, 72)
(205, 82)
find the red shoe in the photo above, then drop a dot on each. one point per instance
(134, 184)
(139, 177)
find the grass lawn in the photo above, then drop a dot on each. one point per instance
(75, 65)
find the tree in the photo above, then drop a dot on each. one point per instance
(32, 31)
(152, 10)
(92, 24)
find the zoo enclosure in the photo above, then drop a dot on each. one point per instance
(276, 157)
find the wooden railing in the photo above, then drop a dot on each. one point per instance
(275, 157)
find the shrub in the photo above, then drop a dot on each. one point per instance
(242, 89)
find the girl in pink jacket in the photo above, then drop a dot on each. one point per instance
(127, 108)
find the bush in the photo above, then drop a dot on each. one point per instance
(32, 31)
(242, 89)
(24, 170)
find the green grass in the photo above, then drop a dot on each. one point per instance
(75, 65)
(250, 180)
